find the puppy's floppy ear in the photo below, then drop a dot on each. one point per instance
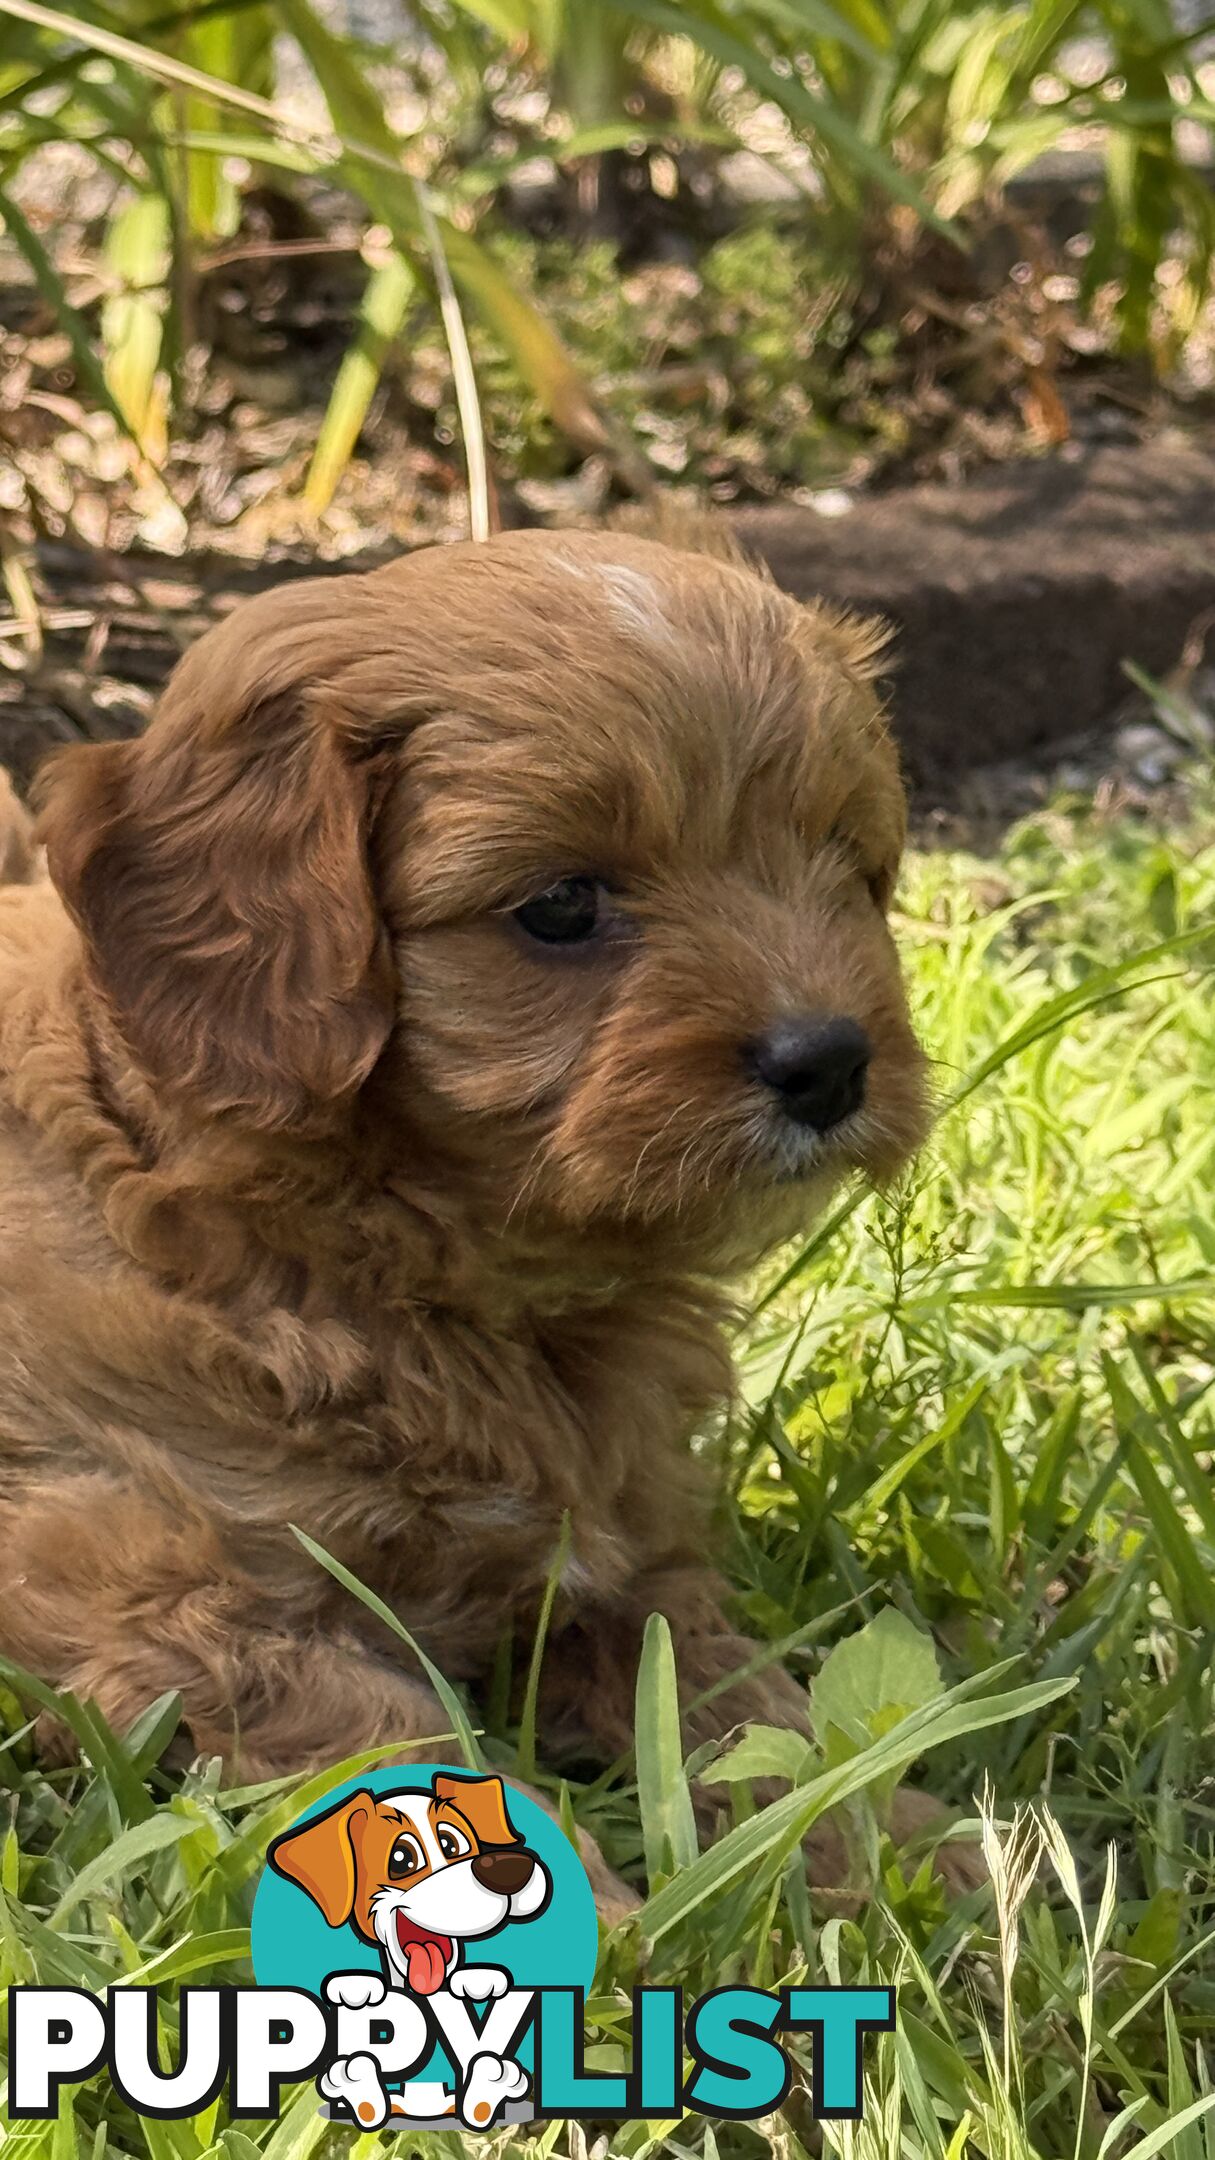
(218, 871)
(320, 1858)
(482, 1803)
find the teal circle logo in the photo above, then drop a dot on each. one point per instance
(425, 1903)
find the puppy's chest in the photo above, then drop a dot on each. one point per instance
(485, 1442)
(483, 1416)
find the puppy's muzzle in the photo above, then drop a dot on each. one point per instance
(816, 1068)
(504, 1872)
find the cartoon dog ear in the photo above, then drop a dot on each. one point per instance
(218, 867)
(320, 1858)
(482, 1803)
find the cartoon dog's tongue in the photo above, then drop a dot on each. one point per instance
(427, 1956)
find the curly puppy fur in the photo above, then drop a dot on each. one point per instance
(329, 1197)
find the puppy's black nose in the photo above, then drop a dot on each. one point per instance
(816, 1067)
(505, 1870)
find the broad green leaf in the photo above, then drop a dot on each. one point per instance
(873, 1679)
(765, 1751)
(668, 1824)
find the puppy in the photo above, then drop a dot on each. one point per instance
(474, 966)
(19, 857)
(419, 1874)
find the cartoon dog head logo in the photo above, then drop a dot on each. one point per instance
(426, 1912)
(418, 1873)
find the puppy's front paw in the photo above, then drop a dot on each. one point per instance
(490, 2083)
(356, 2081)
(478, 1983)
(355, 1990)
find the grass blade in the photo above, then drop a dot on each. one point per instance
(54, 292)
(385, 304)
(531, 1698)
(468, 403)
(667, 1821)
(779, 1827)
(443, 1689)
(1172, 1534)
(816, 118)
(135, 1844)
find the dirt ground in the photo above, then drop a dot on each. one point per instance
(1018, 600)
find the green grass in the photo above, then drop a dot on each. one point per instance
(977, 1407)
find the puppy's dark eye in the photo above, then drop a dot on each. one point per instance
(404, 1859)
(567, 914)
(452, 1842)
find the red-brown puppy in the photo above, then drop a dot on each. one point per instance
(475, 964)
